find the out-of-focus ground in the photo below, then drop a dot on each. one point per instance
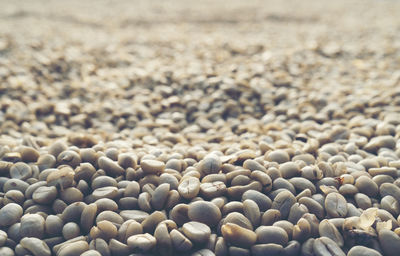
(60, 47)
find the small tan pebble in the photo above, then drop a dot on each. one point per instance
(197, 232)
(238, 236)
(36, 246)
(271, 234)
(204, 212)
(152, 166)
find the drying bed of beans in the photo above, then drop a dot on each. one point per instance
(254, 128)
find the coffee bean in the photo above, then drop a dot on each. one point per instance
(45, 195)
(75, 248)
(32, 225)
(335, 205)
(196, 231)
(70, 230)
(389, 241)
(180, 242)
(238, 236)
(325, 246)
(10, 214)
(366, 186)
(152, 166)
(189, 187)
(118, 248)
(204, 212)
(327, 229)
(151, 222)
(271, 234)
(53, 225)
(210, 164)
(283, 202)
(35, 246)
(266, 249)
(362, 250)
(262, 200)
(142, 242)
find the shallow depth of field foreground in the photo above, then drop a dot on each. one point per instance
(227, 128)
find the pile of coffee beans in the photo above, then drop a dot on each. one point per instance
(179, 128)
